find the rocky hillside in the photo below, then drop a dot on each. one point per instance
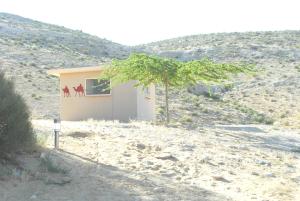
(29, 48)
(41, 35)
(272, 95)
(249, 46)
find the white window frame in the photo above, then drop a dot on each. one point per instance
(96, 94)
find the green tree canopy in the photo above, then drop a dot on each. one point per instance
(148, 69)
(145, 69)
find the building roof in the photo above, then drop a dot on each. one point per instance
(58, 72)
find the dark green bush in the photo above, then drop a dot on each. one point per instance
(15, 127)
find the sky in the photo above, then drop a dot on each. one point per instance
(132, 22)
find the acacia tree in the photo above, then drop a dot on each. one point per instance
(170, 73)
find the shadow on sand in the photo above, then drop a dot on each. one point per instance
(93, 181)
(259, 138)
(116, 184)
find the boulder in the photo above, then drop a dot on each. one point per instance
(202, 89)
(167, 157)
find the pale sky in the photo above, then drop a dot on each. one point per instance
(132, 22)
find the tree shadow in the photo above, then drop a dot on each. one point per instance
(251, 129)
(259, 138)
(126, 185)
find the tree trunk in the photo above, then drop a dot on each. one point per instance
(167, 103)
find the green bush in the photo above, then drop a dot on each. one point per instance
(186, 119)
(15, 127)
(211, 95)
(256, 116)
(52, 166)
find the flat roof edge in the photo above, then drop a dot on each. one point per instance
(58, 72)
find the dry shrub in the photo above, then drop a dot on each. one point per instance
(15, 127)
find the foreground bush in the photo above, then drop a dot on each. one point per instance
(15, 127)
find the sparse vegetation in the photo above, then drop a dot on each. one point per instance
(212, 96)
(256, 116)
(51, 166)
(186, 119)
(41, 139)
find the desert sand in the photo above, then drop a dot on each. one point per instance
(140, 161)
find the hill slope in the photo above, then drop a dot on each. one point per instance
(28, 48)
(248, 46)
(272, 93)
(29, 32)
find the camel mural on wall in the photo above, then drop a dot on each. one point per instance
(79, 90)
(66, 92)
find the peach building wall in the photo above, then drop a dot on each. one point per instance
(124, 103)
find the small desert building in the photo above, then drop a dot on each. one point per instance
(83, 96)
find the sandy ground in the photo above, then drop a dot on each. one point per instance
(139, 161)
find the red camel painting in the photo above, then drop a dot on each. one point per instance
(79, 90)
(66, 92)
